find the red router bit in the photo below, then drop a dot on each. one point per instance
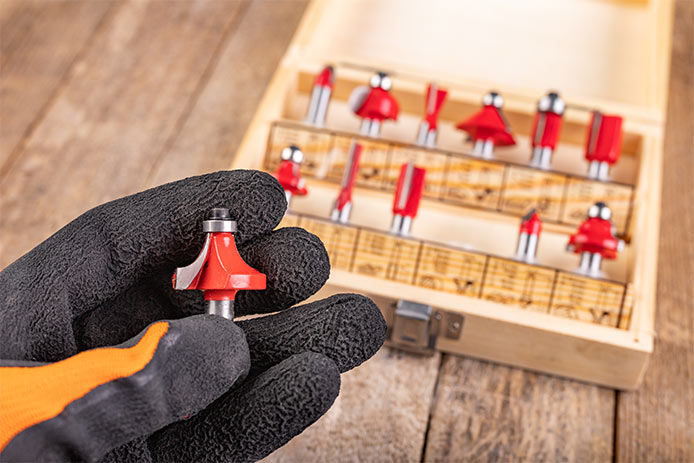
(546, 129)
(408, 195)
(428, 127)
(219, 271)
(528, 237)
(595, 240)
(374, 104)
(488, 127)
(289, 174)
(603, 145)
(343, 204)
(320, 97)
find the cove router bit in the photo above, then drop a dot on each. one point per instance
(219, 271)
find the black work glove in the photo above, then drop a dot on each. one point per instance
(195, 387)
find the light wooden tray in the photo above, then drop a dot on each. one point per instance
(608, 55)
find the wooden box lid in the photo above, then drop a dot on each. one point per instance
(611, 54)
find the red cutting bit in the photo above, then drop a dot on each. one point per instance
(428, 127)
(219, 271)
(604, 142)
(408, 195)
(320, 97)
(343, 204)
(374, 104)
(595, 240)
(488, 127)
(528, 237)
(289, 174)
(546, 129)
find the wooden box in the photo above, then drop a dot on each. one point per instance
(610, 55)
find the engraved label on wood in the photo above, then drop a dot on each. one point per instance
(372, 163)
(586, 299)
(450, 270)
(528, 188)
(474, 183)
(289, 220)
(582, 193)
(434, 162)
(314, 145)
(627, 308)
(516, 283)
(384, 256)
(339, 241)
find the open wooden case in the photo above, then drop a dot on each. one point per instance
(611, 55)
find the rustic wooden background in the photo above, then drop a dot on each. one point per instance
(101, 99)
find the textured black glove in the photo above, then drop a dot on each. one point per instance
(214, 390)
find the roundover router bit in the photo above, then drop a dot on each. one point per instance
(374, 104)
(289, 173)
(219, 271)
(595, 240)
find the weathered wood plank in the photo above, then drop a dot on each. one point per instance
(380, 415)
(39, 42)
(487, 412)
(217, 123)
(656, 423)
(125, 100)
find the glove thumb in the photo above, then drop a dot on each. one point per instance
(88, 404)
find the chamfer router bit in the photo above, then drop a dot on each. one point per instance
(488, 127)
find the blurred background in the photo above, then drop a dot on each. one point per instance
(101, 99)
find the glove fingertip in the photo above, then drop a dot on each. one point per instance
(296, 264)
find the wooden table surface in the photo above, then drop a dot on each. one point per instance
(101, 99)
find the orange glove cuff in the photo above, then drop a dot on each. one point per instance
(31, 395)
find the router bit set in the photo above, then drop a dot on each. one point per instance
(486, 129)
(517, 225)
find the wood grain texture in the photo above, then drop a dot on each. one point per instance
(487, 412)
(216, 125)
(39, 42)
(380, 415)
(125, 100)
(163, 90)
(656, 423)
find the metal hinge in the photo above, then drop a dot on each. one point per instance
(415, 327)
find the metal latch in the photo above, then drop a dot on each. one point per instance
(415, 327)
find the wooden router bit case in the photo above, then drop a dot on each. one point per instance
(453, 285)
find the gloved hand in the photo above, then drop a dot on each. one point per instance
(176, 385)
